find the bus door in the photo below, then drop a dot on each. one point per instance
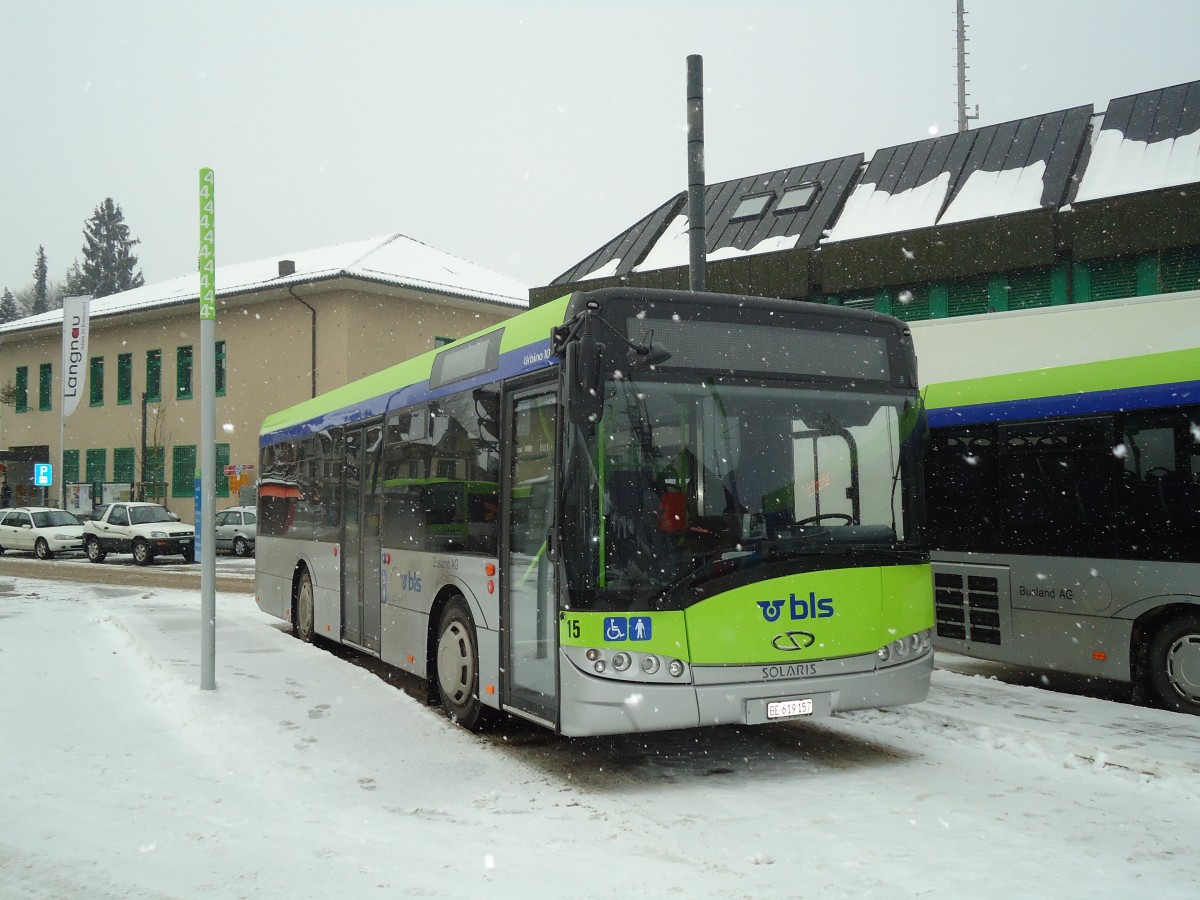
(361, 545)
(528, 608)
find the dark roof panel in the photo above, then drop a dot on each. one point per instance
(1001, 169)
(660, 239)
(1147, 142)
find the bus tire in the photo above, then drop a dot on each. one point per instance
(1172, 672)
(456, 665)
(303, 615)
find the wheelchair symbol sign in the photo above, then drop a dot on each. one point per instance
(614, 628)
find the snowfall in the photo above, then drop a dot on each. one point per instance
(308, 773)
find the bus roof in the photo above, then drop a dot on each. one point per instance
(524, 347)
(1066, 360)
(525, 344)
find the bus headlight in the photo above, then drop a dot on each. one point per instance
(629, 665)
(909, 647)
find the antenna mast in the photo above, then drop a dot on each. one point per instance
(963, 116)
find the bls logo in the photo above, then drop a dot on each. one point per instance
(410, 581)
(798, 607)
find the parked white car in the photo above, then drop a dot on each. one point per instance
(146, 530)
(236, 529)
(40, 529)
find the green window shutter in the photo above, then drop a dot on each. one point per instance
(183, 373)
(22, 387)
(183, 470)
(222, 461)
(70, 465)
(968, 297)
(859, 302)
(1028, 290)
(125, 379)
(220, 374)
(96, 381)
(123, 463)
(911, 305)
(1181, 270)
(45, 385)
(1113, 278)
(97, 467)
(154, 375)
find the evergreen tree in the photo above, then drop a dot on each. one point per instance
(73, 285)
(8, 307)
(41, 301)
(108, 259)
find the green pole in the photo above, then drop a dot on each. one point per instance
(206, 494)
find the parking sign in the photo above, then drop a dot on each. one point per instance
(43, 474)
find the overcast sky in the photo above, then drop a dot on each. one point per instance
(519, 135)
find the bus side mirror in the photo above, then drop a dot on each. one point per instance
(585, 393)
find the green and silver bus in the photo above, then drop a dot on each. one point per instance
(625, 510)
(1063, 485)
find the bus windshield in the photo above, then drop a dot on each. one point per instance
(683, 485)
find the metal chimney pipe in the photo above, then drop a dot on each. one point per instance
(697, 233)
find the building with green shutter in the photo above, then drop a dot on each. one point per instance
(287, 328)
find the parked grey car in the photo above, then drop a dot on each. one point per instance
(236, 529)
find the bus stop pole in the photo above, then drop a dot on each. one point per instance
(205, 542)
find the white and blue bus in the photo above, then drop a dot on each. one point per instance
(1064, 489)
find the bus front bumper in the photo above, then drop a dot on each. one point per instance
(593, 706)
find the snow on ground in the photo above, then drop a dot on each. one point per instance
(304, 775)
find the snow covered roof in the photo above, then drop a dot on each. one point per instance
(1147, 142)
(763, 213)
(994, 171)
(391, 259)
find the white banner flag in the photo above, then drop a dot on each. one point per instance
(74, 350)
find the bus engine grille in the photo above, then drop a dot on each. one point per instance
(968, 607)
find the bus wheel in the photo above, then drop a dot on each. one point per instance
(458, 665)
(302, 620)
(1172, 673)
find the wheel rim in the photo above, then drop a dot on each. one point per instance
(140, 552)
(1183, 667)
(42, 549)
(239, 547)
(456, 663)
(93, 550)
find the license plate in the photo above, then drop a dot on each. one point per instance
(783, 709)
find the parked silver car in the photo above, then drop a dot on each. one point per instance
(43, 530)
(236, 529)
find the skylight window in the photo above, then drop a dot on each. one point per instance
(752, 206)
(797, 198)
